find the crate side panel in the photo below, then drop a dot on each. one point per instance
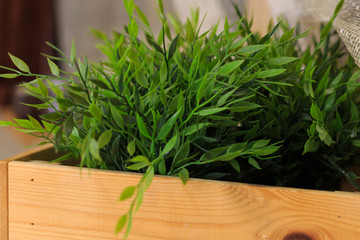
(57, 202)
(3, 201)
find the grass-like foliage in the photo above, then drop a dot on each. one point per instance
(214, 104)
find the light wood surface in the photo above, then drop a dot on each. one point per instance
(56, 202)
(41, 152)
(3, 201)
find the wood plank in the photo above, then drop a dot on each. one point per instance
(56, 202)
(3, 201)
(40, 153)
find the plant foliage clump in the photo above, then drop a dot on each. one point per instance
(214, 104)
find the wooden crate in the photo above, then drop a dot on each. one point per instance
(41, 201)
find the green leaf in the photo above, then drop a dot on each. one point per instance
(235, 164)
(173, 46)
(9, 75)
(24, 123)
(121, 223)
(141, 79)
(193, 128)
(94, 149)
(104, 138)
(230, 67)
(194, 67)
(139, 197)
(163, 97)
(260, 143)
(254, 163)
(214, 49)
(354, 112)
(35, 123)
(38, 106)
(286, 36)
(53, 68)
(226, 27)
(148, 177)
(251, 49)
(326, 30)
(241, 42)
(356, 143)
(54, 116)
(100, 84)
(73, 51)
(142, 16)
(167, 127)
(184, 175)
(222, 100)
(311, 145)
(137, 166)
(131, 147)
(162, 167)
(316, 112)
(6, 123)
(98, 34)
(211, 111)
(169, 145)
(20, 64)
(338, 8)
(69, 125)
(142, 127)
(43, 88)
(58, 136)
(322, 86)
(282, 60)
(155, 45)
(324, 135)
(95, 111)
(201, 90)
(237, 147)
(127, 193)
(78, 98)
(118, 119)
(182, 153)
(244, 106)
(352, 84)
(65, 102)
(163, 72)
(140, 162)
(270, 73)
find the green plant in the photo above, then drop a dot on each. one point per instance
(201, 104)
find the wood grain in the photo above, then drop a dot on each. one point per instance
(3, 201)
(56, 202)
(41, 153)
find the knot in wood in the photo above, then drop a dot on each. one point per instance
(297, 236)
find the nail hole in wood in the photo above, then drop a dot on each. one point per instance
(32, 179)
(32, 223)
(297, 236)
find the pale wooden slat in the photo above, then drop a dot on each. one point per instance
(3, 201)
(40, 153)
(55, 202)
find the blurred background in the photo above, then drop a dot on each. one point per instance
(26, 25)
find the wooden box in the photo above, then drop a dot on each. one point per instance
(42, 201)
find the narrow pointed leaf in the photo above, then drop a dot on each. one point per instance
(127, 193)
(20, 64)
(53, 68)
